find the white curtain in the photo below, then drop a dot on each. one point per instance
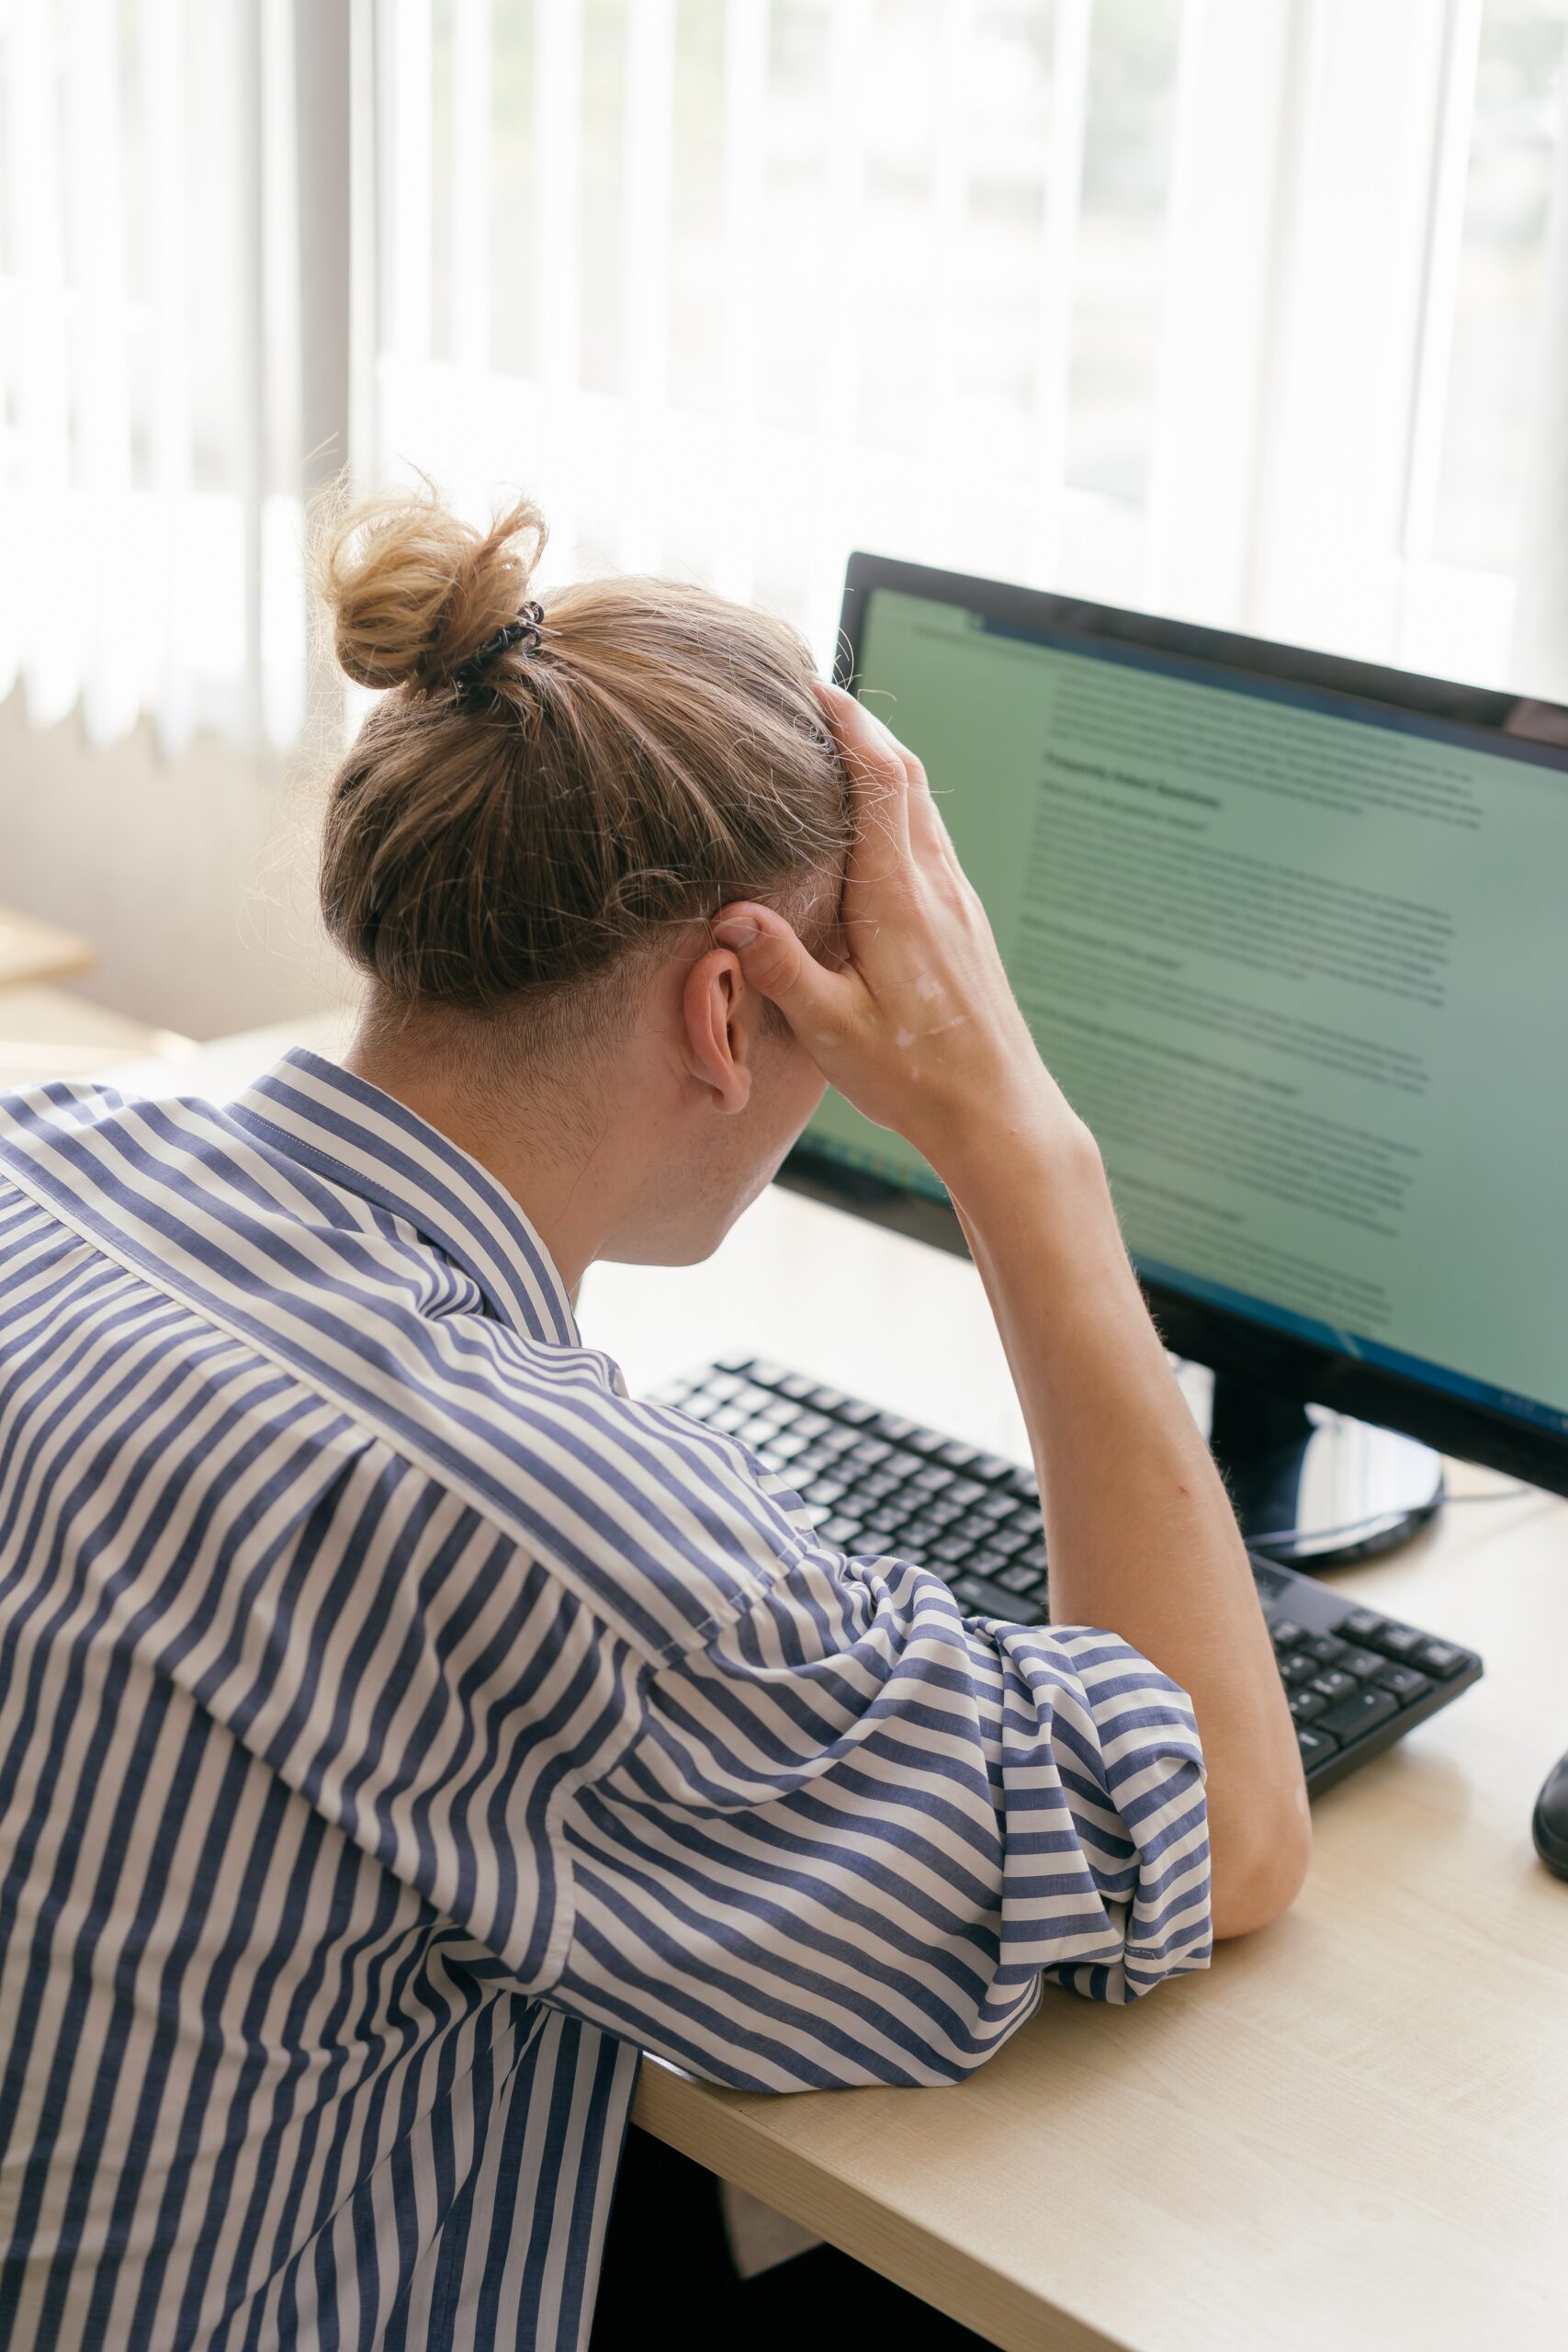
(1235, 309)
(149, 531)
(1250, 310)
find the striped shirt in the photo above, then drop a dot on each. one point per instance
(402, 1728)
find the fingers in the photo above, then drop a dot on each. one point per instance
(876, 764)
(897, 794)
(778, 966)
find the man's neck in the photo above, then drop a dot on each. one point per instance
(568, 1169)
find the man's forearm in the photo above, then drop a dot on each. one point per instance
(1140, 1534)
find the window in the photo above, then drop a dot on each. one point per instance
(149, 469)
(1236, 310)
(1253, 310)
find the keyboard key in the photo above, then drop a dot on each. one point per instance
(926, 1441)
(1400, 1642)
(1327, 1650)
(858, 1415)
(989, 1599)
(1014, 1578)
(1359, 1712)
(991, 1466)
(1365, 1665)
(839, 1532)
(792, 1385)
(827, 1400)
(931, 1478)
(1024, 1485)
(827, 1490)
(985, 1564)
(922, 1530)
(1404, 1682)
(1286, 1633)
(976, 1531)
(1362, 1625)
(878, 1544)
(997, 1506)
(1334, 1684)
(956, 1455)
(1298, 1667)
(839, 1440)
(1314, 1745)
(950, 1550)
(1440, 1658)
(1306, 1704)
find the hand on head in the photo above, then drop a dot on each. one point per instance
(919, 1027)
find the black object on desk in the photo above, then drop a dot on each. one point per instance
(1549, 1824)
(880, 1484)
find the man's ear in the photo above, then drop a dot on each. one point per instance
(719, 1012)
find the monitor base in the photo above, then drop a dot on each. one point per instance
(1311, 1489)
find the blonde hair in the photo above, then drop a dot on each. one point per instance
(506, 831)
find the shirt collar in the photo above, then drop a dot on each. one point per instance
(354, 1134)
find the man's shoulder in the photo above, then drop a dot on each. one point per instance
(640, 1492)
(665, 1530)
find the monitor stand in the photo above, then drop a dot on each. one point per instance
(1349, 1491)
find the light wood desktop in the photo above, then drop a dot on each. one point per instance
(48, 1032)
(30, 950)
(1351, 2135)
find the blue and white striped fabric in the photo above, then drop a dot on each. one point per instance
(401, 1727)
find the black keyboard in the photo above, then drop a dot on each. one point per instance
(877, 1485)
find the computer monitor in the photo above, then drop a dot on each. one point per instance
(1292, 933)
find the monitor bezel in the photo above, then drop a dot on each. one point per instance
(1230, 1342)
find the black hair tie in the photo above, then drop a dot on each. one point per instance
(524, 630)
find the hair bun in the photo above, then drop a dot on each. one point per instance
(414, 591)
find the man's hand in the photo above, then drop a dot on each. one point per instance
(919, 1028)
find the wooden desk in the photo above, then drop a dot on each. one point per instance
(30, 950)
(1352, 2134)
(45, 1032)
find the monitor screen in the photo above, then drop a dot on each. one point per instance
(1301, 961)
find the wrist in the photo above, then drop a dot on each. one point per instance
(992, 1137)
(1036, 1192)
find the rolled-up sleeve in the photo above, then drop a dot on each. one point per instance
(856, 1831)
